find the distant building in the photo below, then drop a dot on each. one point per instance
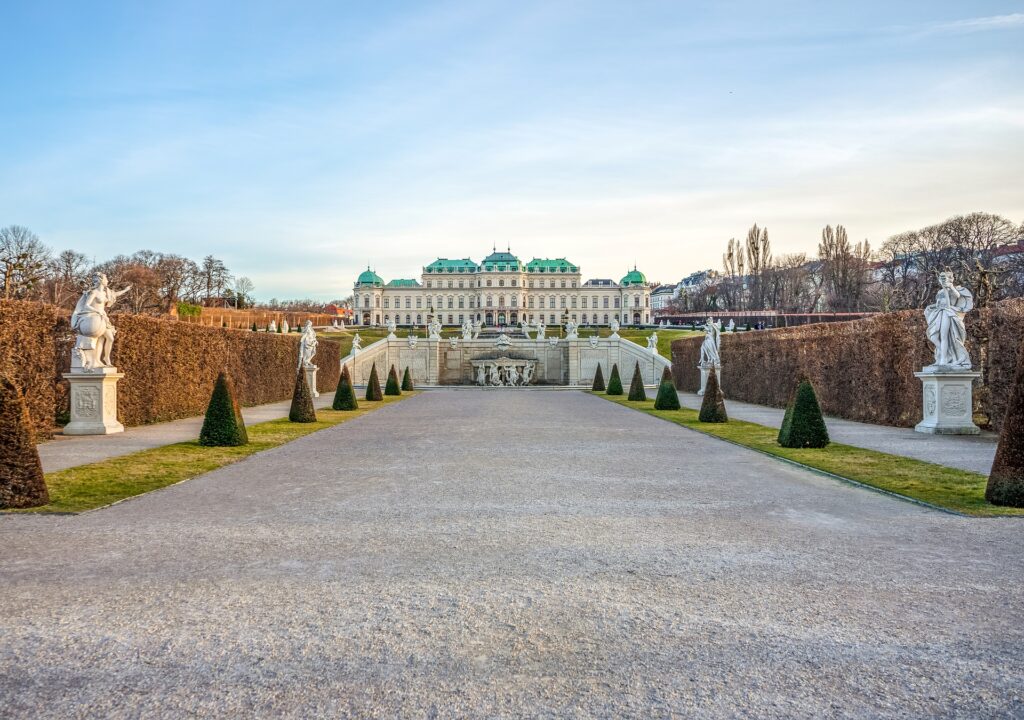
(501, 290)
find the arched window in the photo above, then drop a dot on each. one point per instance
(419, 319)
(408, 320)
(501, 301)
(501, 282)
(490, 301)
(515, 301)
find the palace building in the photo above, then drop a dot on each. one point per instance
(501, 290)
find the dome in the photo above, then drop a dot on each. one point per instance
(633, 277)
(369, 277)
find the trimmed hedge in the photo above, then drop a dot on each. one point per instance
(223, 425)
(668, 398)
(373, 392)
(803, 425)
(598, 385)
(636, 386)
(407, 385)
(169, 366)
(614, 382)
(392, 388)
(21, 473)
(862, 369)
(302, 410)
(345, 395)
(1006, 480)
(712, 407)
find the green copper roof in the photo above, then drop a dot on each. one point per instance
(550, 266)
(369, 277)
(633, 277)
(403, 283)
(442, 265)
(500, 261)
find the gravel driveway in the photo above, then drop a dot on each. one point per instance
(509, 554)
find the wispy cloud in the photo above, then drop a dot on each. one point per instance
(976, 25)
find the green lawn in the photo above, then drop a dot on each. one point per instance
(92, 486)
(957, 490)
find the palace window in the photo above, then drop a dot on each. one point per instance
(377, 299)
(366, 301)
(552, 316)
(490, 301)
(584, 318)
(552, 284)
(451, 302)
(408, 303)
(501, 282)
(515, 301)
(606, 318)
(636, 301)
(408, 320)
(531, 301)
(419, 304)
(462, 302)
(563, 282)
(449, 319)
(501, 301)
(563, 302)
(462, 318)
(386, 304)
(531, 283)
(428, 283)
(449, 283)
(419, 319)
(515, 283)
(551, 302)
(605, 302)
(573, 302)
(574, 283)
(488, 282)
(616, 302)
(462, 284)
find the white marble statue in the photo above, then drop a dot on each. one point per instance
(525, 328)
(272, 327)
(307, 345)
(593, 341)
(481, 375)
(731, 327)
(95, 332)
(285, 327)
(709, 349)
(528, 373)
(392, 327)
(572, 331)
(434, 329)
(357, 344)
(477, 327)
(615, 328)
(946, 330)
(542, 330)
(652, 343)
(411, 339)
(453, 342)
(513, 376)
(467, 329)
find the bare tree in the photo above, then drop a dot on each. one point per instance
(67, 275)
(759, 263)
(23, 261)
(732, 285)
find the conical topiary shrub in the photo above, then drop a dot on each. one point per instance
(345, 396)
(223, 425)
(804, 426)
(373, 386)
(407, 385)
(636, 386)
(712, 407)
(391, 388)
(598, 380)
(21, 474)
(614, 383)
(668, 398)
(302, 410)
(1006, 480)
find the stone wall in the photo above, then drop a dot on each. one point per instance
(864, 369)
(169, 366)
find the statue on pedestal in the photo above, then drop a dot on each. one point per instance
(709, 349)
(95, 332)
(652, 343)
(467, 329)
(946, 330)
(542, 330)
(307, 345)
(357, 344)
(392, 326)
(572, 331)
(434, 329)
(284, 326)
(615, 328)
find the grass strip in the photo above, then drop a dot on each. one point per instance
(958, 490)
(96, 485)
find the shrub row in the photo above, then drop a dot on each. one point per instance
(863, 369)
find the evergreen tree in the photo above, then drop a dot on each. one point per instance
(598, 380)
(804, 427)
(253, 328)
(345, 396)
(302, 410)
(21, 474)
(391, 387)
(636, 386)
(373, 392)
(712, 407)
(223, 425)
(407, 385)
(614, 383)
(1006, 480)
(668, 398)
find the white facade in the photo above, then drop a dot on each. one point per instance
(501, 290)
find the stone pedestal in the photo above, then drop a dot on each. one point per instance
(947, 402)
(704, 376)
(311, 380)
(94, 402)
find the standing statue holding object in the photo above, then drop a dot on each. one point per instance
(709, 349)
(946, 330)
(307, 345)
(95, 333)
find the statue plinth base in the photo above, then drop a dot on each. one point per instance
(948, 406)
(704, 372)
(311, 379)
(93, 402)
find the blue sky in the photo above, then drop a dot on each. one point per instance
(302, 141)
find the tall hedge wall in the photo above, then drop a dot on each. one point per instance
(863, 369)
(169, 366)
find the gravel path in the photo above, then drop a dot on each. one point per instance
(511, 554)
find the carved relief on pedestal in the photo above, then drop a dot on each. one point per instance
(87, 401)
(929, 401)
(954, 400)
